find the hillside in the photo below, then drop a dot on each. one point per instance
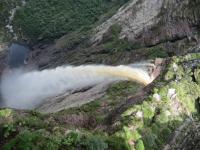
(158, 38)
(119, 119)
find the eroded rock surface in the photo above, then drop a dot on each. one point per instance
(155, 21)
(74, 99)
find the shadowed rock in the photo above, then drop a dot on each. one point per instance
(17, 55)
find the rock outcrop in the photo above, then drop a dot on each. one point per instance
(163, 115)
(124, 115)
(155, 21)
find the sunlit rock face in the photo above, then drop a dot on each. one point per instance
(155, 21)
(133, 19)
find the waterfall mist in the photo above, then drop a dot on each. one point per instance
(26, 90)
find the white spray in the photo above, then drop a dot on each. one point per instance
(26, 90)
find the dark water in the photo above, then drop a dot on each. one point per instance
(18, 55)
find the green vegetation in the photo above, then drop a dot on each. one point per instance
(73, 140)
(44, 19)
(147, 125)
(150, 124)
(72, 40)
(157, 52)
(98, 110)
(5, 112)
(5, 7)
(32, 130)
(196, 75)
(28, 131)
(112, 42)
(43, 139)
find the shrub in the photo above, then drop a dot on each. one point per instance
(139, 145)
(157, 52)
(90, 142)
(28, 140)
(45, 19)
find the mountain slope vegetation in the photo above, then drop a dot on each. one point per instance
(127, 116)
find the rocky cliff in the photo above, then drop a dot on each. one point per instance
(119, 31)
(155, 21)
(117, 116)
(155, 117)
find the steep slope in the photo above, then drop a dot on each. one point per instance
(154, 118)
(155, 21)
(140, 29)
(47, 20)
(120, 116)
(133, 19)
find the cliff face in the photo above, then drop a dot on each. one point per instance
(153, 22)
(121, 116)
(133, 18)
(133, 29)
(127, 117)
(140, 20)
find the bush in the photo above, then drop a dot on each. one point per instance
(71, 140)
(28, 140)
(48, 19)
(118, 143)
(157, 52)
(91, 142)
(139, 145)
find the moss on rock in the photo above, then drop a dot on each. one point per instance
(155, 120)
(146, 125)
